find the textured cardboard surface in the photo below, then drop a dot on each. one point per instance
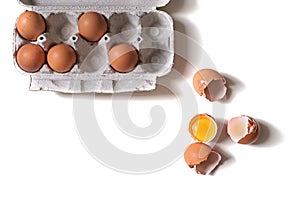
(135, 3)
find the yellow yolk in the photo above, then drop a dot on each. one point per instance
(203, 128)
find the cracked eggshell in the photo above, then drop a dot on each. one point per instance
(210, 84)
(212, 161)
(243, 130)
(201, 157)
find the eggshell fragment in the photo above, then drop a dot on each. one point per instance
(201, 157)
(203, 128)
(210, 84)
(30, 25)
(213, 160)
(243, 129)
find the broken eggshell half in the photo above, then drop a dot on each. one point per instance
(202, 157)
(243, 129)
(210, 84)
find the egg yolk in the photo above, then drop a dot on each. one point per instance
(203, 128)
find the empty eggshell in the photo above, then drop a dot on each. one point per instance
(201, 157)
(30, 25)
(92, 26)
(243, 129)
(210, 84)
(123, 58)
(61, 58)
(212, 161)
(31, 58)
(203, 128)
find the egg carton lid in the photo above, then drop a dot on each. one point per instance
(66, 3)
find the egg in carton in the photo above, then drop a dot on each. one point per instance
(83, 46)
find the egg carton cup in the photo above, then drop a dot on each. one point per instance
(136, 22)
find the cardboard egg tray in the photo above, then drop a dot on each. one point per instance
(136, 22)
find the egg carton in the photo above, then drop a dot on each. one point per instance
(136, 22)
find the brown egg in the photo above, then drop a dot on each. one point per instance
(210, 84)
(31, 58)
(61, 58)
(243, 129)
(201, 157)
(92, 26)
(30, 25)
(123, 58)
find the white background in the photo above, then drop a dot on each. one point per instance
(255, 43)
